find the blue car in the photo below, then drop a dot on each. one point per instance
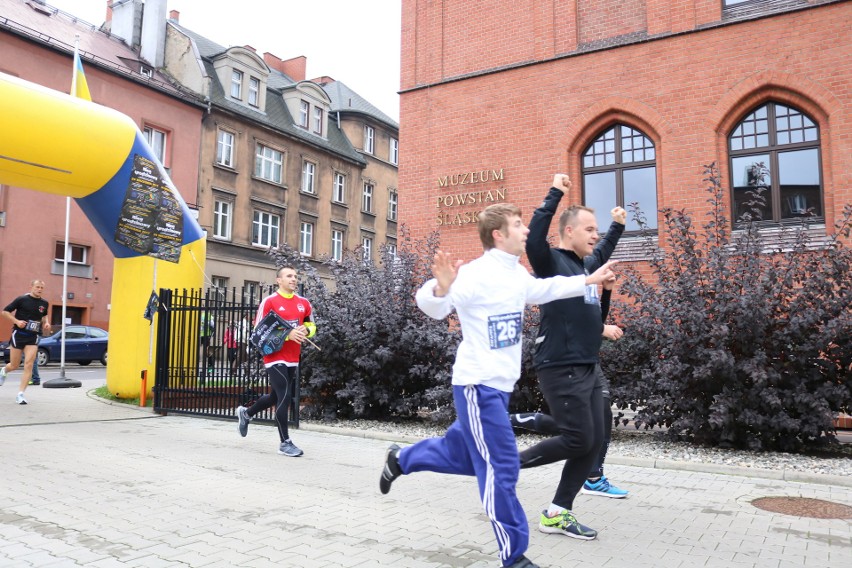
(83, 344)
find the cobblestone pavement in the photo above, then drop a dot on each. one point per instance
(87, 483)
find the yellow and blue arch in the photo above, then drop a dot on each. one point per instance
(56, 143)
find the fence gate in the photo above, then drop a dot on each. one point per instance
(205, 365)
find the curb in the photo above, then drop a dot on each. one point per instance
(759, 473)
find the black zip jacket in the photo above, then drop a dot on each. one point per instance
(570, 330)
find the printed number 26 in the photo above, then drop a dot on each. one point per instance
(507, 330)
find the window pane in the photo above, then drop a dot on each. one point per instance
(746, 178)
(798, 178)
(599, 194)
(640, 186)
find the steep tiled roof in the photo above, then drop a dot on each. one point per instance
(344, 99)
(276, 116)
(57, 30)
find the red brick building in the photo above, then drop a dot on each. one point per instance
(631, 98)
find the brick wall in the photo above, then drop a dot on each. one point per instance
(685, 91)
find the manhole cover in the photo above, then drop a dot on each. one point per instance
(804, 507)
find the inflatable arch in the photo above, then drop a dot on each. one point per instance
(60, 144)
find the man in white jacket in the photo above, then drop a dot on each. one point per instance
(489, 295)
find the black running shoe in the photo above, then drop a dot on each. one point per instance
(244, 419)
(522, 562)
(391, 470)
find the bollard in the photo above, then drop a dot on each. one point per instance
(143, 391)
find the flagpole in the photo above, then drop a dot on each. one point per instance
(67, 233)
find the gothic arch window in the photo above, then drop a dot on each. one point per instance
(777, 147)
(619, 168)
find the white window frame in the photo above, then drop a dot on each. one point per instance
(367, 249)
(393, 152)
(223, 216)
(236, 84)
(304, 113)
(306, 238)
(309, 176)
(367, 197)
(369, 139)
(393, 205)
(336, 245)
(225, 148)
(254, 91)
(157, 140)
(80, 251)
(268, 164)
(219, 282)
(338, 194)
(392, 252)
(317, 120)
(270, 223)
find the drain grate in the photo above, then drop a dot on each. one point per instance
(804, 507)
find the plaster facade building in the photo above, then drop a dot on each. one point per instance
(265, 156)
(308, 163)
(631, 99)
(37, 44)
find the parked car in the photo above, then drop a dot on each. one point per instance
(83, 344)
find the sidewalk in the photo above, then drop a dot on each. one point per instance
(87, 483)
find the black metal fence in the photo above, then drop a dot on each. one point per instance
(205, 364)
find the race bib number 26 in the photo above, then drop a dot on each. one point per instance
(504, 330)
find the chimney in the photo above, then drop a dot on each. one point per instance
(174, 16)
(294, 68)
(153, 34)
(126, 21)
(250, 48)
(108, 19)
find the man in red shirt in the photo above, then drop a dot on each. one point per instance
(282, 366)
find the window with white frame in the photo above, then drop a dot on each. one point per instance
(304, 112)
(391, 248)
(317, 124)
(237, 84)
(336, 245)
(264, 229)
(225, 149)
(339, 193)
(393, 154)
(367, 249)
(77, 254)
(392, 205)
(306, 238)
(222, 218)
(254, 91)
(309, 170)
(251, 292)
(367, 198)
(369, 139)
(157, 141)
(219, 282)
(268, 164)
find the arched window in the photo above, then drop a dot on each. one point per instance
(620, 168)
(786, 142)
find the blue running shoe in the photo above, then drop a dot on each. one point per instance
(603, 488)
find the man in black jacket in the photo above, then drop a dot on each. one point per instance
(566, 352)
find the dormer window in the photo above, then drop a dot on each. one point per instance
(254, 91)
(237, 84)
(146, 71)
(317, 122)
(304, 112)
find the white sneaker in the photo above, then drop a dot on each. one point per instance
(20, 398)
(2, 375)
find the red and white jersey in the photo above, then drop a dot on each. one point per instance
(292, 308)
